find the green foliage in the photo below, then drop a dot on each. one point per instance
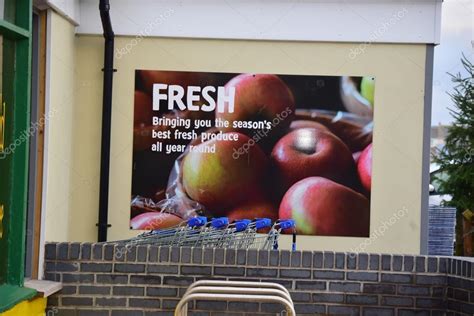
(456, 159)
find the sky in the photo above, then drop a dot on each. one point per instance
(457, 26)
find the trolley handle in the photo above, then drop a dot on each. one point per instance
(263, 223)
(219, 222)
(242, 224)
(197, 221)
(287, 224)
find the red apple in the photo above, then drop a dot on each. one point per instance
(154, 220)
(308, 152)
(322, 207)
(260, 97)
(227, 176)
(364, 168)
(143, 112)
(307, 124)
(260, 208)
(354, 135)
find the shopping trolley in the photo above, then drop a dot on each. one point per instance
(218, 232)
(269, 241)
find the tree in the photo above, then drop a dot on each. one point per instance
(456, 159)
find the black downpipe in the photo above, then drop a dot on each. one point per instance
(108, 70)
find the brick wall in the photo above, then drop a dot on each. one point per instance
(108, 280)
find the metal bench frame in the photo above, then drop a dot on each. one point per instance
(241, 291)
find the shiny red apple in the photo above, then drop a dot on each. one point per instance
(364, 168)
(323, 207)
(355, 135)
(308, 152)
(260, 97)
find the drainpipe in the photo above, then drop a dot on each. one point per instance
(108, 70)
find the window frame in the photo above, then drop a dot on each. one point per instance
(16, 90)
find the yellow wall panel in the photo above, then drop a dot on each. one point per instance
(398, 132)
(35, 307)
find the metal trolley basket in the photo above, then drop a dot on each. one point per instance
(217, 233)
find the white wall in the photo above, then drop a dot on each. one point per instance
(378, 21)
(68, 9)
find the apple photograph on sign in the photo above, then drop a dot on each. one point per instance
(252, 145)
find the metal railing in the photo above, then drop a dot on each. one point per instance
(240, 291)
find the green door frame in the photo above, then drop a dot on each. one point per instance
(16, 82)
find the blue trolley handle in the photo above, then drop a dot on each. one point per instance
(287, 224)
(290, 224)
(263, 223)
(241, 224)
(219, 222)
(197, 221)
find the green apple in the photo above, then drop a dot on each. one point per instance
(367, 89)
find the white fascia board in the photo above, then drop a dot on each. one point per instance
(69, 9)
(384, 21)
